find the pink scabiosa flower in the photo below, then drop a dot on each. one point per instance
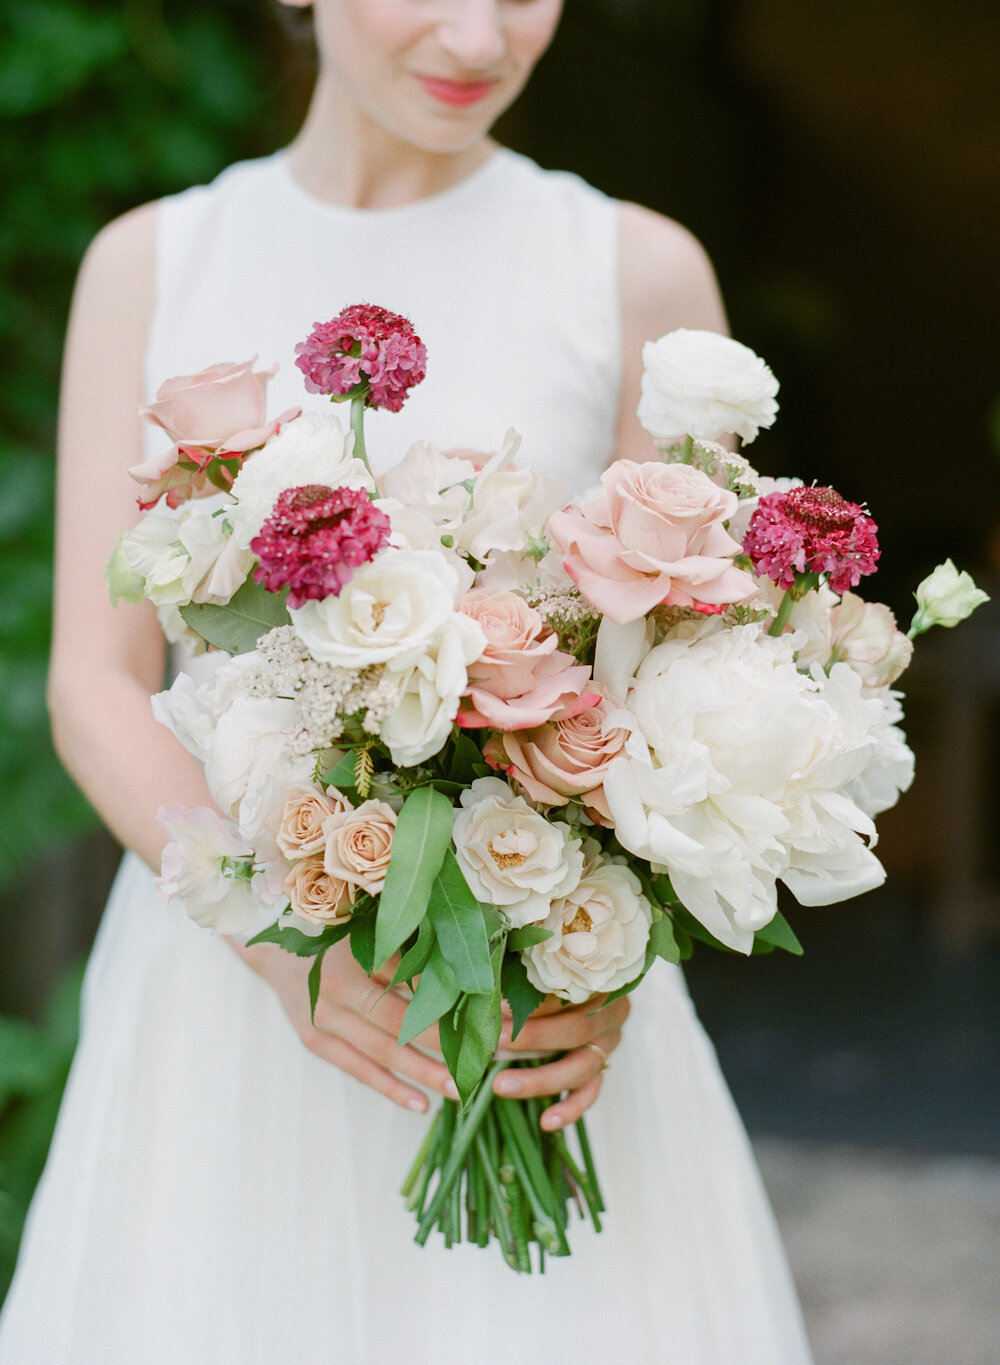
(364, 346)
(315, 538)
(811, 530)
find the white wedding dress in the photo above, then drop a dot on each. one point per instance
(215, 1194)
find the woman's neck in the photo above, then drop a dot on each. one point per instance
(346, 158)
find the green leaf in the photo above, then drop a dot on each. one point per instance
(527, 937)
(466, 756)
(363, 942)
(343, 774)
(469, 1037)
(437, 990)
(421, 839)
(315, 975)
(520, 994)
(458, 921)
(779, 934)
(663, 940)
(302, 945)
(250, 613)
(414, 960)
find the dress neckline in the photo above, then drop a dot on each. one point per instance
(470, 185)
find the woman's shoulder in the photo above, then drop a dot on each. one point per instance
(664, 272)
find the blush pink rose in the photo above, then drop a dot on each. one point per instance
(522, 679)
(315, 895)
(300, 833)
(562, 759)
(655, 534)
(359, 844)
(219, 412)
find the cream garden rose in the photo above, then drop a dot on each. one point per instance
(510, 855)
(359, 844)
(300, 833)
(315, 895)
(599, 934)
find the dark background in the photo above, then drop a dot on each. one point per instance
(841, 164)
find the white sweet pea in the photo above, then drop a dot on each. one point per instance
(312, 449)
(180, 557)
(207, 871)
(251, 765)
(509, 506)
(705, 385)
(191, 710)
(428, 481)
(599, 936)
(431, 689)
(944, 598)
(510, 855)
(391, 611)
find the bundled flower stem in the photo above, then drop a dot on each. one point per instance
(515, 1180)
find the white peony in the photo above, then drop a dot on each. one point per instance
(312, 449)
(705, 385)
(431, 689)
(207, 871)
(599, 936)
(251, 764)
(391, 611)
(510, 855)
(191, 710)
(737, 772)
(890, 770)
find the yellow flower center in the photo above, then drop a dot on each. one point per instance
(505, 860)
(581, 923)
(379, 610)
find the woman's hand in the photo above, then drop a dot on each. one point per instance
(356, 1025)
(586, 1033)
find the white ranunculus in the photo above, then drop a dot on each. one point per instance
(207, 871)
(391, 611)
(312, 449)
(509, 506)
(510, 855)
(599, 936)
(705, 385)
(946, 597)
(737, 772)
(251, 764)
(430, 691)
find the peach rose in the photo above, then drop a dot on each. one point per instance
(300, 833)
(562, 759)
(359, 844)
(315, 895)
(655, 534)
(219, 411)
(522, 679)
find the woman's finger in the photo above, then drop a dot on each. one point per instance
(568, 1029)
(382, 1047)
(574, 1106)
(341, 1054)
(570, 1072)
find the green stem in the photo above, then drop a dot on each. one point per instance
(522, 1150)
(425, 1150)
(784, 611)
(588, 1163)
(358, 425)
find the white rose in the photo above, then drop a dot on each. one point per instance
(510, 855)
(705, 385)
(599, 936)
(251, 765)
(311, 449)
(390, 612)
(945, 597)
(207, 870)
(430, 691)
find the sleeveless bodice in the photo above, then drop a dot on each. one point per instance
(509, 277)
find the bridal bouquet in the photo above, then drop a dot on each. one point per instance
(514, 748)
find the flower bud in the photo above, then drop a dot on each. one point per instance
(944, 598)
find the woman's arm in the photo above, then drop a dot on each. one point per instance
(106, 661)
(665, 280)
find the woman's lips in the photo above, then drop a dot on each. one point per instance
(457, 93)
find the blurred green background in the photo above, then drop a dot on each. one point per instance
(839, 161)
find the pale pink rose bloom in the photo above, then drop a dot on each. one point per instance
(865, 635)
(655, 534)
(359, 844)
(300, 832)
(562, 759)
(315, 895)
(221, 410)
(522, 679)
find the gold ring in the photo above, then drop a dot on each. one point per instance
(605, 1059)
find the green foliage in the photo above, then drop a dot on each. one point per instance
(251, 612)
(460, 925)
(421, 839)
(34, 1062)
(103, 105)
